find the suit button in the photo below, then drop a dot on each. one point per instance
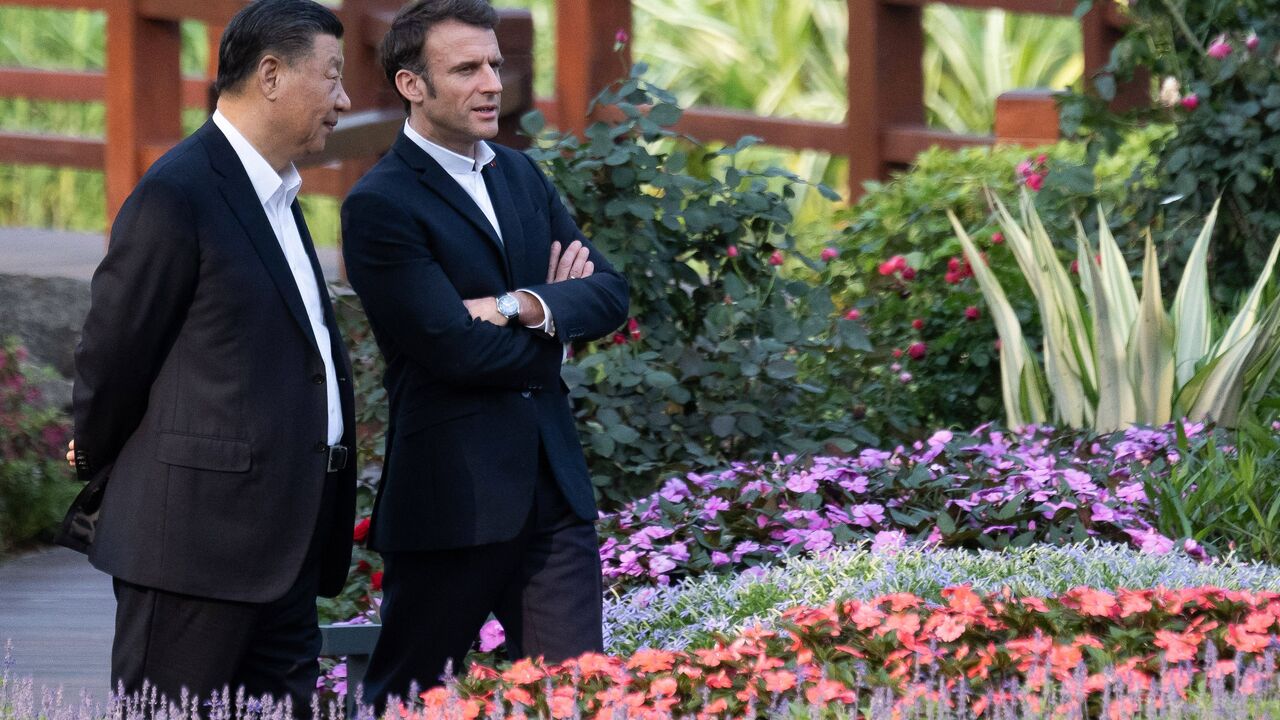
(526, 394)
(322, 447)
(318, 378)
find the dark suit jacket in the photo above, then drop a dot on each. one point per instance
(470, 401)
(200, 393)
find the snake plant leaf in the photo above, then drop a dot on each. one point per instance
(1193, 330)
(1020, 383)
(1151, 348)
(1116, 408)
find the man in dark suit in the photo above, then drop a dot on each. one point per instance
(212, 401)
(454, 246)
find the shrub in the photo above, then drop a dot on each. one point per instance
(725, 356)
(35, 487)
(1219, 95)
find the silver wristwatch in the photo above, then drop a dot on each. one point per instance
(509, 306)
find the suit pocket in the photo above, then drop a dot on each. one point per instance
(203, 453)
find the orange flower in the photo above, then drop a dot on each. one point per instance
(1177, 646)
(1090, 602)
(779, 681)
(866, 616)
(963, 599)
(518, 695)
(1258, 622)
(651, 661)
(1133, 602)
(522, 672)
(718, 705)
(719, 681)
(826, 691)
(663, 686)
(900, 601)
(1239, 637)
(905, 622)
(951, 627)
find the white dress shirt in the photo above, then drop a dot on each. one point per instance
(276, 194)
(466, 172)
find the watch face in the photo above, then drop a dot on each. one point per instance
(508, 306)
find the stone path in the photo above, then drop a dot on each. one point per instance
(59, 613)
(58, 253)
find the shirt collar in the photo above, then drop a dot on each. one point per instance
(266, 182)
(452, 162)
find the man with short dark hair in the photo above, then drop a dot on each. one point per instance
(474, 276)
(212, 402)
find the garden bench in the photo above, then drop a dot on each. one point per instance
(355, 642)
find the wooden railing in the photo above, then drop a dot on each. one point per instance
(145, 92)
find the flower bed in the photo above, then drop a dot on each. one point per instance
(691, 613)
(971, 648)
(988, 488)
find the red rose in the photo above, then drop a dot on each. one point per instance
(917, 324)
(909, 274)
(375, 581)
(916, 350)
(971, 312)
(361, 530)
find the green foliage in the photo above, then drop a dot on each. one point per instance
(956, 381)
(1225, 142)
(35, 487)
(1110, 359)
(724, 357)
(1226, 497)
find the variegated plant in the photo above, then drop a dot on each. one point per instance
(1113, 357)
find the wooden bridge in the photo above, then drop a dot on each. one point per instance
(145, 91)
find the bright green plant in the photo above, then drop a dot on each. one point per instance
(1111, 359)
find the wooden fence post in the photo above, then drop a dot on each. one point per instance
(885, 84)
(585, 60)
(144, 95)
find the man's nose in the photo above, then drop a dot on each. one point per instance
(343, 102)
(492, 81)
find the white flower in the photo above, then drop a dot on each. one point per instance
(1170, 91)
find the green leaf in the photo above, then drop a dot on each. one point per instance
(660, 379)
(781, 370)
(722, 425)
(665, 114)
(623, 434)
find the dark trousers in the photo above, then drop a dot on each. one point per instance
(176, 642)
(544, 587)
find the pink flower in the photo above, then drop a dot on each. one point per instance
(888, 542)
(731, 251)
(718, 558)
(909, 274)
(897, 352)
(904, 378)
(972, 313)
(1251, 42)
(1190, 102)
(818, 541)
(1024, 168)
(997, 238)
(853, 314)
(492, 636)
(1220, 48)
(916, 350)
(867, 514)
(802, 483)
(776, 258)
(829, 254)
(1035, 181)
(918, 324)
(620, 36)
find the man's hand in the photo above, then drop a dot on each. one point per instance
(571, 265)
(71, 453)
(486, 309)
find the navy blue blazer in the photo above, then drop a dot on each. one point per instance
(470, 402)
(200, 403)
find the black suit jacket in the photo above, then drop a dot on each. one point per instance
(200, 395)
(470, 401)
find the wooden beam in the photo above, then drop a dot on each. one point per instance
(729, 125)
(41, 149)
(73, 86)
(902, 143)
(56, 4)
(214, 12)
(1040, 7)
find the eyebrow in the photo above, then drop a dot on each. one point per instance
(473, 63)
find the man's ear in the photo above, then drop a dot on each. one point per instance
(267, 76)
(410, 86)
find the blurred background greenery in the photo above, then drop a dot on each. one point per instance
(771, 58)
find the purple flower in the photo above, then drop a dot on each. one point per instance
(712, 506)
(743, 549)
(660, 564)
(867, 514)
(491, 636)
(818, 541)
(801, 483)
(718, 558)
(888, 542)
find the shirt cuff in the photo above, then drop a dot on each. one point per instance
(548, 324)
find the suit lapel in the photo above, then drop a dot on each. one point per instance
(442, 184)
(240, 196)
(330, 318)
(512, 232)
